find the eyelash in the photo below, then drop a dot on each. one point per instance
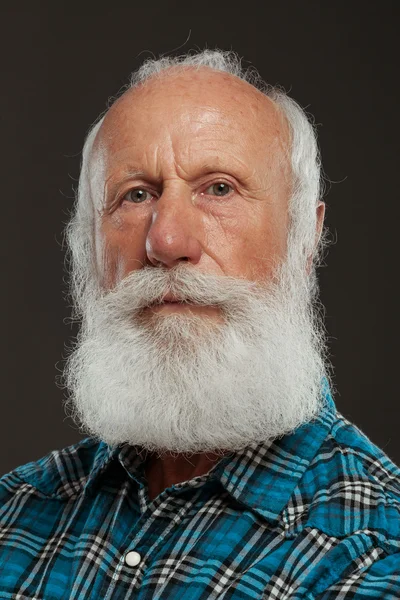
(143, 188)
(137, 189)
(223, 183)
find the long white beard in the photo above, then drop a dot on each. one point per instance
(189, 383)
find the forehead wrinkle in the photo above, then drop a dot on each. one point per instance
(227, 161)
(235, 168)
(262, 114)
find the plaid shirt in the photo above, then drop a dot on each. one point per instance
(314, 515)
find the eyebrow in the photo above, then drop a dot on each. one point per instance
(237, 170)
(128, 173)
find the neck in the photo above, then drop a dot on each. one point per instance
(165, 471)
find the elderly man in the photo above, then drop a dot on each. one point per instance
(217, 465)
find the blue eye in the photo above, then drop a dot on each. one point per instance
(219, 189)
(138, 195)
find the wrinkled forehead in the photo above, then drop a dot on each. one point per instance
(209, 100)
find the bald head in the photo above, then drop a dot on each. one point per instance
(205, 89)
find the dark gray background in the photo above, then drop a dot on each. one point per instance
(60, 63)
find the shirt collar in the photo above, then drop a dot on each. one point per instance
(262, 476)
(130, 457)
(105, 454)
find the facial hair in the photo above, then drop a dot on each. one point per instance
(183, 382)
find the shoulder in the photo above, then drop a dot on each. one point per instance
(352, 486)
(60, 474)
(344, 516)
(361, 465)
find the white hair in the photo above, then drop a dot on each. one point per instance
(304, 159)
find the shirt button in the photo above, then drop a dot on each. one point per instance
(132, 559)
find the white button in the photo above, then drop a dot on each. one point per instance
(132, 559)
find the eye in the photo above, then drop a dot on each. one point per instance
(219, 189)
(138, 195)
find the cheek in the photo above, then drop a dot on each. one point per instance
(262, 247)
(120, 248)
(249, 244)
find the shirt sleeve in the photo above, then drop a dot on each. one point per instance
(381, 580)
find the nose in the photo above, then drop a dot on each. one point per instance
(173, 236)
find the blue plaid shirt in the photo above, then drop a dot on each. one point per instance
(314, 515)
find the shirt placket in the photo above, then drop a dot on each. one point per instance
(156, 523)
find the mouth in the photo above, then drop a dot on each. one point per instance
(170, 304)
(171, 299)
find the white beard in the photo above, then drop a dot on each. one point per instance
(189, 383)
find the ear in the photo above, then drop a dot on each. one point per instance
(318, 231)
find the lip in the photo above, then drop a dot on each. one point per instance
(170, 304)
(167, 300)
(170, 299)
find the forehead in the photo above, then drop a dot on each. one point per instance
(192, 107)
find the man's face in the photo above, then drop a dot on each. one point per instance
(190, 183)
(191, 168)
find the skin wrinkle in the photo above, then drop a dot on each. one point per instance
(259, 193)
(130, 172)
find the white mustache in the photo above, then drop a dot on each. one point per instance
(150, 285)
